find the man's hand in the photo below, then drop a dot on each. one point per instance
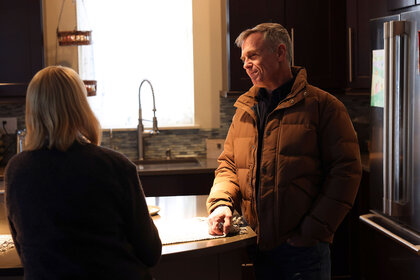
(219, 220)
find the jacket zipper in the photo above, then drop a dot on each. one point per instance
(275, 189)
(253, 173)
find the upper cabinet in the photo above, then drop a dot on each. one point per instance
(358, 46)
(241, 15)
(317, 30)
(330, 37)
(400, 4)
(21, 47)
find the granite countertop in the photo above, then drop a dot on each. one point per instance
(202, 165)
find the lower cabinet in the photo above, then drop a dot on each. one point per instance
(225, 265)
(177, 184)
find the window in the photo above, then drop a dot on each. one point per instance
(135, 40)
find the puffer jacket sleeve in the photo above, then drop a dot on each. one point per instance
(341, 162)
(225, 190)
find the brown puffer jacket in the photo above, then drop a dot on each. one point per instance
(310, 165)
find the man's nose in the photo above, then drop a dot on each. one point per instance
(247, 64)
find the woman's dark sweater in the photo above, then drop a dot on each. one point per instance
(79, 214)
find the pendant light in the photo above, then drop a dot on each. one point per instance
(77, 38)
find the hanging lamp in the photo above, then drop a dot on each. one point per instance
(76, 38)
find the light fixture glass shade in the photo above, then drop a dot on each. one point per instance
(74, 38)
(90, 87)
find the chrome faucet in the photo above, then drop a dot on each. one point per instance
(140, 127)
(20, 140)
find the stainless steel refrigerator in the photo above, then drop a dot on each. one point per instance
(395, 122)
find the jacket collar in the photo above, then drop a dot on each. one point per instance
(247, 100)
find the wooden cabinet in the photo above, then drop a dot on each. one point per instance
(331, 37)
(177, 184)
(400, 4)
(241, 15)
(358, 47)
(359, 56)
(21, 47)
(318, 29)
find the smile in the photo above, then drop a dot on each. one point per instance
(253, 74)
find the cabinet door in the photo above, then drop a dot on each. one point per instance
(318, 31)
(241, 15)
(21, 47)
(358, 48)
(399, 4)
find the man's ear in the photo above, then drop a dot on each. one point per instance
(281, 52)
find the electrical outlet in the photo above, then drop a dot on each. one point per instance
(8, 125)
(214, 147)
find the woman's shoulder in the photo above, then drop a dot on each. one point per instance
(17, 163)
(108, 155)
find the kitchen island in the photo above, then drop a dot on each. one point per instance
(220, 258)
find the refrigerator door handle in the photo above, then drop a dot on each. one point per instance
(387, 168)
(393, 230)
(403, 194)
(394, 168)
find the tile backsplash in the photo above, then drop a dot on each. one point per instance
(183, 141)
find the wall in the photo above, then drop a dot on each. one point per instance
(210, 59)
(66, 56)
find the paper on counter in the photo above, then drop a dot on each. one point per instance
(6, 243)
(187, 230)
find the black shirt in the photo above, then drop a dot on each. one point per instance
(268, 102)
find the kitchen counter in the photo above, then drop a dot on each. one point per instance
(203, 165)
(205, 259)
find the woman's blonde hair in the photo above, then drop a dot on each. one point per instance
(57, 111)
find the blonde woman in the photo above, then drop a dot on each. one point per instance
(76, 210)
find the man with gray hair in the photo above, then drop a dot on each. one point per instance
(291, 162)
